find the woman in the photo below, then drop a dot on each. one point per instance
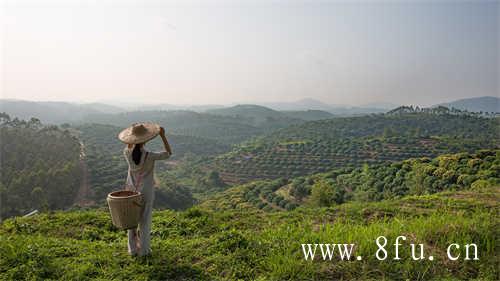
(140, 177)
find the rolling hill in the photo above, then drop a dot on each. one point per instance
(347, 179)
(40, 167)
(257, 115)
(318, 146)
(416, 176)
(264, 116)
(342, 110)
(309, 115)
(189, 123)
(107, 168)
(481, 104)
(48, 112)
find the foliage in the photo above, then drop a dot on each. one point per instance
(319, 146)
(416, 176)
(40, 166)
(324, 193)
(253, 245)
(108, 168)
(226, 129)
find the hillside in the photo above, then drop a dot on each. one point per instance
(253, 245)
(226, 129)
(384, 180)
(415, 176)
(339, 110)
(107, 168)
(264, 116)
(319, 146)
(481, 104)
(103, 108)
(251, 111)
(40, 166)
(48, 112)
(309, 115)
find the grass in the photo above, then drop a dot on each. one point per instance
(200, 244)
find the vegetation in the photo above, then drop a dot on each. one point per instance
(226, 129)
(227, 125)
(319, 146)
(432, 175)
(40, 166)
(256, 115)
(108, 168)
(416, 176)
(251, 244)
(309, 115)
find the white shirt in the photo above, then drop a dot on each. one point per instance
(140, 177)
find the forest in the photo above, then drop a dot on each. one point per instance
(40, 166)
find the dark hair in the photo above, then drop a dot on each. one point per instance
(137, 153)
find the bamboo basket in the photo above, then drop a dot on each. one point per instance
(126, 208)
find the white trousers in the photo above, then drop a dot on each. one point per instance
(139, 239)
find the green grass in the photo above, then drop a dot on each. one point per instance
(199, 244)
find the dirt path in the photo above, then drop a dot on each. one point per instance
(84, 192)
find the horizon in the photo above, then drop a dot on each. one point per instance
(226, 53)
(271, 105)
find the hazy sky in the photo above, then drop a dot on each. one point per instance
(351, 52)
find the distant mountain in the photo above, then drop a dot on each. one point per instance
(138, 105)
(356, 111)
(260, 115)
(103, 108)
(381, 105)
(47, 112)
(343, 110)
(309, 115)
(66, 112)
(166, 106)
(257, 113)
(228, 129)
(484, 104)
(303, 104)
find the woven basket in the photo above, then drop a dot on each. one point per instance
(126, 208)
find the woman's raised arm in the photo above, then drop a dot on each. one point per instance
(165, 141)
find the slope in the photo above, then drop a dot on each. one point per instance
(250, 244)
(370, 183)
(319, 146)
(483, 104)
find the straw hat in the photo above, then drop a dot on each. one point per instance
(139, 133)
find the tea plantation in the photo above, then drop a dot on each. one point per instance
(319, 146)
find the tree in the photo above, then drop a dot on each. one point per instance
(322, 194)
(213, 179)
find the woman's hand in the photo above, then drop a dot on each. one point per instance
(165, 141)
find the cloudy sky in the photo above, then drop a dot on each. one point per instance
(183, 52)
